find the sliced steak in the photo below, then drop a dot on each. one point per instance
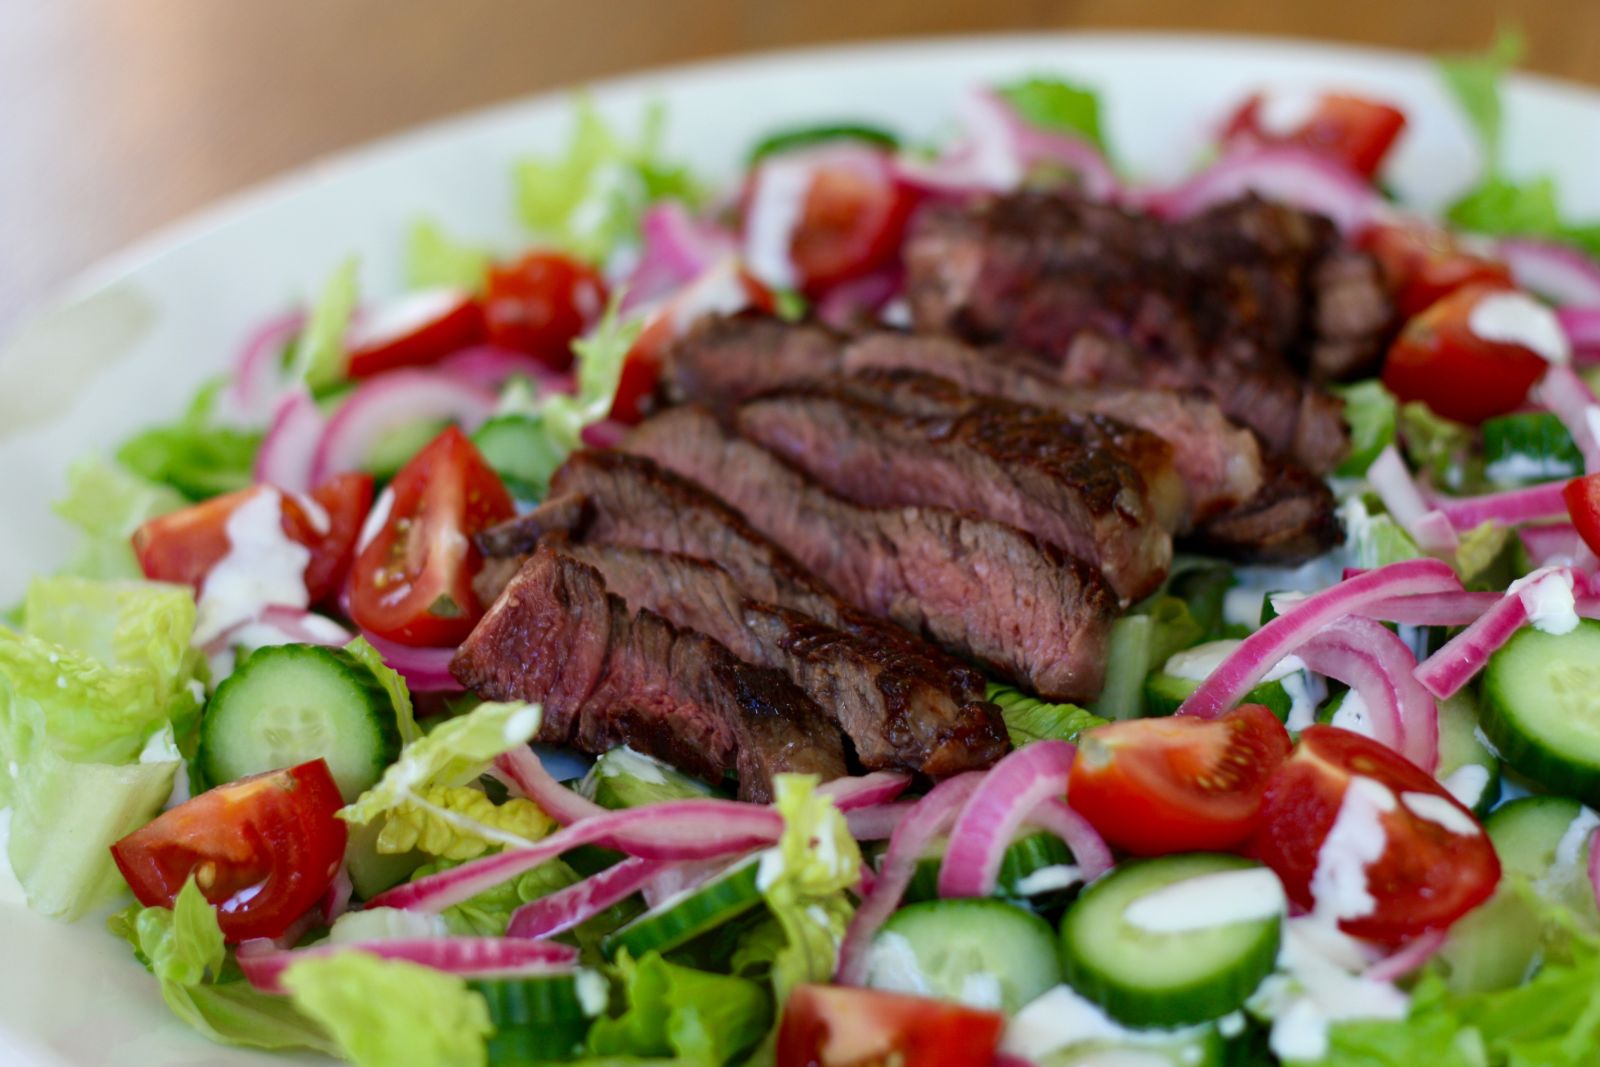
(893, 708)
(1290, 520)
(722, 361)
(893, 438)
(607, 676)
(982, 589)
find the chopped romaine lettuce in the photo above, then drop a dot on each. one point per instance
(399, 692)
(1438, 447)
(1056, 104)
(183, 948)
(444, 820)
(1029, 719)
(488, 913)
(107, 503)
(435, 259)
(196, 455)
(700, 1019)
(591, 200)
(320, 359)
(385, 1012)
(1474, 80)
(1373, 415)
(600, 355)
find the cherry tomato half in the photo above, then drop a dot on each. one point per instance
(1356, 131)
(1177, 784)
(263, 849)
(412, 582)
(1423, 264)
(1436, 862)
(416, 330)
(835, 1026)
(541, 303)
(1440, 359)
(1582, 497)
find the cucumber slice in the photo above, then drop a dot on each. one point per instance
(1164, 693)
(520, 450)
(1529, 447)
(542, 1018)
(1144, 977)
(1466, 766)
(977, 950)
(623, 778)
(1027, 855)
(394, 448)
(679, 920)
(287, 704)
(1542, 708)
(1203, 1049)
(806, 136)
(371, 871)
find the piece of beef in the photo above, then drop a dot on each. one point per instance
(893, 708)
(723, 360)
(606, 676)
(1241, 299)
(892, 438)
(1290, 520)
(982, 589)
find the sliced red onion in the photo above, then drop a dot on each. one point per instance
(997, 809)
(607, 433)
(875, 823)
(932, 816)
(1557, 271)
(263, 963)
(1433, 609)
(674, 878)
(1464, 655)
(862, 791)
(1262, 650)
(288, 452)
(1574, 403)
(258, 373)
(1557, 544)
(676, 248)
(857, 302)
(389, 402)
(1373, 661)
(1393, 483)
(1512, 507)
(1090, 852)
(1407, 958)
(426, 670)
(527, 773)
(868, 880)
(671, 830)
(490, 367)
(280, 624)
(1308, 180)
(569, 907)
(1582, 326)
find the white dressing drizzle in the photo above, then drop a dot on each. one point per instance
(1209, 900)
(263, 567)
(1518, 319)
(1440, 812)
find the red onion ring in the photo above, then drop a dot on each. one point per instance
(392, 400)
(1089, 850)
(997, 809)
(1413, 954)
(1311, 181)
(527, 773)
(426, 670)
(1373, 661)
(866, 790)
(257, 372)
(1558, 271)
(288, 451)
(569, 907)
(1464, 655)
(490, 367)
(263, 963)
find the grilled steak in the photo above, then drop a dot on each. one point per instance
(892, 707)
(724, 360)
(894, 438)
(1236, 300)
(980, 588)
(607, 676)
(1290, 520)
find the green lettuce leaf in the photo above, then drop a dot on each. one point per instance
(1474, 80)
(386, 1012)
(1056, 104)
(1374, 540)
(600, 355)
(1373, 415)
(107, 503)
(488, 913)
(435, 259)
(444, 821)
(393, 684)
(701, 1019)
(196, 455)
(183, 948)
(1437, 446)
(1140, 643)
(320, 359)
(1029, 719)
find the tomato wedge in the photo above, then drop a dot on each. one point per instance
(412, 579)
(1177, 784)
(834, 1026)
(183, 546)
(263, 849)
(1433, 862)
(1441, 359)
(415, 330)
(1582, 497)
(1424, 264)
(1355, 130)
(540, 303)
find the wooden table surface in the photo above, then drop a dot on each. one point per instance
(119, 115)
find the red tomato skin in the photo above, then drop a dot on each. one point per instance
(541, 303)
(1428, 876)
(835, 1026)
(413, 582)
(1423, 265)
(1354, 130)
(461, 326)
(346, 498)
(1178, 784)
(276, 830)
(1582, 497)
(1438, 360)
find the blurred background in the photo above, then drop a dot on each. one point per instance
(121, 115)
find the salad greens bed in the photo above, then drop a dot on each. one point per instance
(464, 908)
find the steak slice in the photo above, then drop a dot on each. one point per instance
(893, 438)
(1290, 520)
(982, 589)
(894, 709)
(723, 360)
(607, 676)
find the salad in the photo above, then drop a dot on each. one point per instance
(1339, 811)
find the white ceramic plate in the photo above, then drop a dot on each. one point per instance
(130, 341)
